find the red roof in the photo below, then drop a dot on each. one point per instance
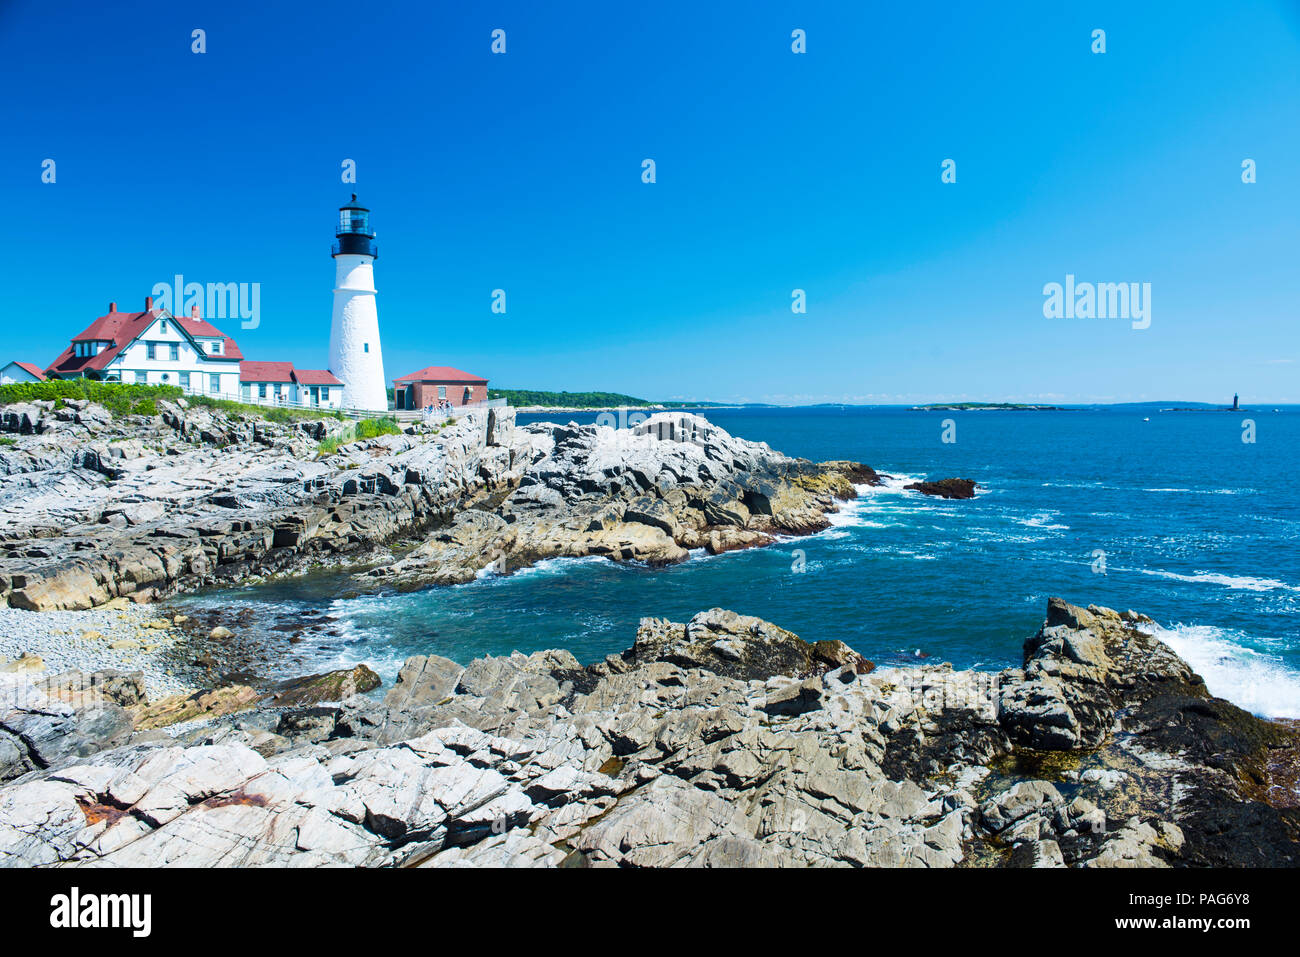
(254, 371)
(120, 329)
(258, 371)
(316, 377)
(442, 374)
(200, 327)
(31, 369)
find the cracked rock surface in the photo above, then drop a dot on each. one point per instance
(722, 741)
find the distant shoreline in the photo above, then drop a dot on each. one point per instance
(549, 409)
(706, 407)
(988, 407)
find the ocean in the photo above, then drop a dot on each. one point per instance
(1167, 513)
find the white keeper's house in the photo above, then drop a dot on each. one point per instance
(153, 347)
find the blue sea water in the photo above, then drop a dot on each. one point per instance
(1167, 513)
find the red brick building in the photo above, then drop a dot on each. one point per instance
(437, 384)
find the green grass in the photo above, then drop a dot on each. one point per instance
(272, 413)
(365, 429)
(373, 428)
(5, 440)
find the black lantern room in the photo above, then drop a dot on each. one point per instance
(354, 234)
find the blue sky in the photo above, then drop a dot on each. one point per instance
(775, 171)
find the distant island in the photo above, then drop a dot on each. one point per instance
(985, 406)
(525, 398)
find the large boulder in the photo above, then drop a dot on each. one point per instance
(739, 646)
(334, 686)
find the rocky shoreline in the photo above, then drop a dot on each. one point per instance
(722, 741)
(117, 513)
(144, 507)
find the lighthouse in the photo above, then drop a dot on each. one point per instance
(355, 354)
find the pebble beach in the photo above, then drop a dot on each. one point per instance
(121, 636)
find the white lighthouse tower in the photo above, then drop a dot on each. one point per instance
(355, 354)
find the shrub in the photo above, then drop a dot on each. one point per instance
(118, 397)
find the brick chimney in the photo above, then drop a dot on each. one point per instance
(148, 303)
(194, 311)
(112, 307)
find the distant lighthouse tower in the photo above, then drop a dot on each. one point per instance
(355, 354)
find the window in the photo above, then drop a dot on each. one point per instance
(184, 380)
(150, 350)
(366, 347)
(175, 355)
(214, 383)
(261, 390)
(325, 393)
(216, 347)
(246, 390)
(442, 392)
(141, 378)
(163, 326)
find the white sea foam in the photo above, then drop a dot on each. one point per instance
(1043, 520)
(848, 515)
(556, 566)
(871, 500)
(890, 483)
(853, 514)
(1243, 582)
(1098, 486)
(1259, 682)
(1205, 491)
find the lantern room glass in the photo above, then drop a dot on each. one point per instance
(356, 221)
